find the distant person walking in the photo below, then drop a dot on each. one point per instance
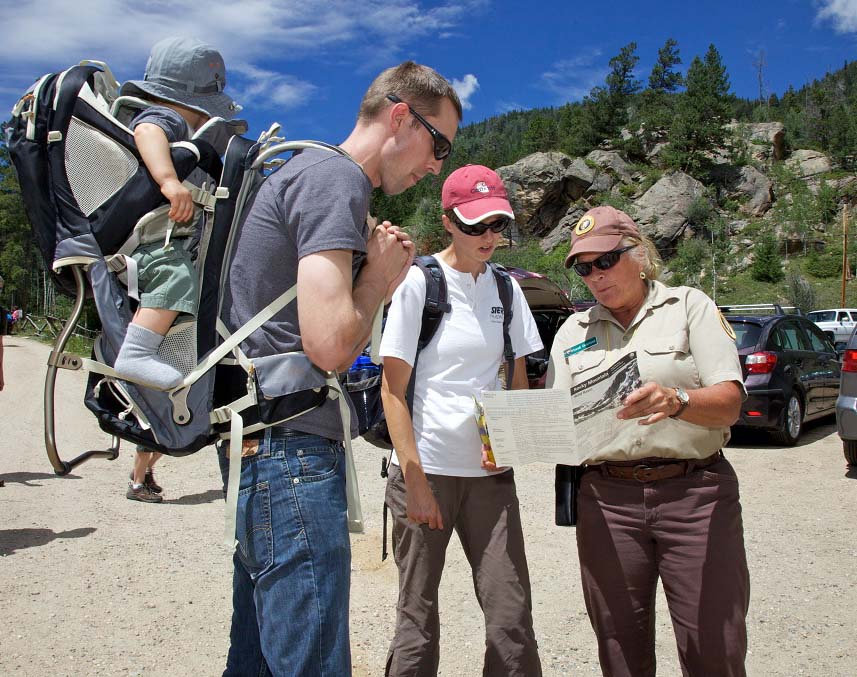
(142, 485)
(3, 328)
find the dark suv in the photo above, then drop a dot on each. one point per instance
(791, 370)
(550, 307)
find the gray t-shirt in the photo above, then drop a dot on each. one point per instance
(176, 129)
(170, 121)
(318, 201)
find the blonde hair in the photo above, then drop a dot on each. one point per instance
(646, 254)
(421, 87)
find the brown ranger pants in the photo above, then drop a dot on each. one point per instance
(484, 511)
(687, 531)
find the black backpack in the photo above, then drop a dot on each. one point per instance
(364, 386)
(91, 201)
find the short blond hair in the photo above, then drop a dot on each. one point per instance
(646, 254)
(421, 87)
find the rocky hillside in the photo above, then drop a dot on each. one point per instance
(752, 187)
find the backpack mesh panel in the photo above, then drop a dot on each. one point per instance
(96, 166)
(179, 347)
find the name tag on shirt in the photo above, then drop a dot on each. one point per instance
(588, 343)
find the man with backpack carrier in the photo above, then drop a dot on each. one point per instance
(308, 227)
(441, 478)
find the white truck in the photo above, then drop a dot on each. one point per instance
(837, 323)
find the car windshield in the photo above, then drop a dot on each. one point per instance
(822, 315)
(746, 334)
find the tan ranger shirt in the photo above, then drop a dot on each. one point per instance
(681, 340)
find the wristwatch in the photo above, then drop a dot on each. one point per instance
(683, 401)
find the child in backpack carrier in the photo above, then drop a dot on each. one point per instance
(184, 80)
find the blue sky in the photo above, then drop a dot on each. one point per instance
(306, 64)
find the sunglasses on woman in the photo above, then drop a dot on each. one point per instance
(497, 226)
(603, 262)
(442, 145)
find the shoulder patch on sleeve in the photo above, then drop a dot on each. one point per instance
(730, 332)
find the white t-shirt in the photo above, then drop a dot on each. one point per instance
(462, 359)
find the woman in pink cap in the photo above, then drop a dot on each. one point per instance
(440, 480)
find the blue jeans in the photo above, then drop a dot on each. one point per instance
(292, 574)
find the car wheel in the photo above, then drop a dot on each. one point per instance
(792, 423)
(850, 449)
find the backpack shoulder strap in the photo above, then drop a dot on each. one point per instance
(506, 292)
(436, 303)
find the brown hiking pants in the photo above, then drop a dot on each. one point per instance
(686, 530)
(484, 511)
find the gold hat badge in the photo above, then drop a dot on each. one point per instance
(583, 226)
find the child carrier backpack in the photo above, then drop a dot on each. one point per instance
(364, 378)
(91, 202)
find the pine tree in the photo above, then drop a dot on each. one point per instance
(18, 254)
(541, 135)
(703, 111)
(655, 112)
(663, 78)
(607, 107)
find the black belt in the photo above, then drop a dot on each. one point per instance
(654, 469)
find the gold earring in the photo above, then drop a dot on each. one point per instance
(642, 275)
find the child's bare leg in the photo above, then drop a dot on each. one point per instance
(138, 358)
(158, 320)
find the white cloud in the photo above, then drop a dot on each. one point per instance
(277, 89)
(509, 106)
(841, 13)
(572, 79)
(465, 89)
(45, 35)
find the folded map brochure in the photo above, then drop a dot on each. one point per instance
(559, 426)
(479, 414)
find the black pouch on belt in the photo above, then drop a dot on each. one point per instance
(566, 485)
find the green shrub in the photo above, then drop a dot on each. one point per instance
(426, 227)
(699, 212)
(767, 265)
(689, 261)
(628, 189)
(614, 200)
(824, 264)
(800, 291)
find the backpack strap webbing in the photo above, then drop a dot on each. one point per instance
(506, 292)
(436, 305)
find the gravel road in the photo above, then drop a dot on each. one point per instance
(94, 584)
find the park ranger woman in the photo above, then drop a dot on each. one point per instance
(660, 500)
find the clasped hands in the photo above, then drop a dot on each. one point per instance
(390, 252)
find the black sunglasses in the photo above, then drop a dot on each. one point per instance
(497, 226)
(442, 145)
(603, 262)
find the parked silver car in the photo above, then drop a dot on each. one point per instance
(846, 403)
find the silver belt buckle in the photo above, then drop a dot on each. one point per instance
(641, 468)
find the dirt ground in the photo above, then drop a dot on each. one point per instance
(94, 584)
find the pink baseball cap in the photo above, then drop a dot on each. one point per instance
(474, 193)
(600, 230)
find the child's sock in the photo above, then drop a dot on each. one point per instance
(138, 358)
